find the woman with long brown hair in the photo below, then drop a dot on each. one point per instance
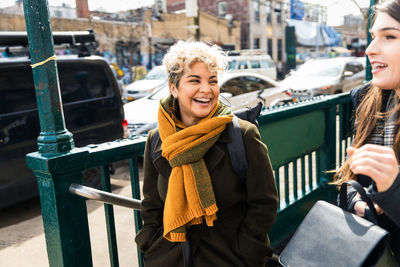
(375, 153)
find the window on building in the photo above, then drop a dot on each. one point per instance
(58, 14)
(221, 9)
(270, 47)
(256, 44)
(279, 11)
(280, 49)
(256, 8)
(268, 11)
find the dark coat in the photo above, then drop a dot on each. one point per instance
(388, 200)
(246, 212)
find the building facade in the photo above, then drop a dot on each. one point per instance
(262, 22)
(136, 37)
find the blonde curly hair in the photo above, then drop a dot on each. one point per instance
(182, 55)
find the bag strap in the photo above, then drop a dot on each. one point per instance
(236, 150)
(363, 194)
(155, 155)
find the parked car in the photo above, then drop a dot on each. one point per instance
(145, 86)
(324, 77)
(254, 63)
(237, 89)
(92, 108)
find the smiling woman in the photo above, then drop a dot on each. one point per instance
(196, 210)
(375, 153)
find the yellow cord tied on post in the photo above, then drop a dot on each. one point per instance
(43, 62)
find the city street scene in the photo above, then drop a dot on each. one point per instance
(199, 133)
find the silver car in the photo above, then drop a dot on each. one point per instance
(325, 77)
(145, 86)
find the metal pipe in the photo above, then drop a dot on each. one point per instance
(105, 197)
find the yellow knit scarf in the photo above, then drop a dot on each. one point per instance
(190, 196)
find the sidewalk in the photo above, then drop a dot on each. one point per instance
(30, 250)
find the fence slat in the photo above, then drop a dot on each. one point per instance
(286, 173)
(109, 212)
(310, 172)
(295, 195)
(303, 176)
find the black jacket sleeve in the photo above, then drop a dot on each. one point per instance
(388, 200)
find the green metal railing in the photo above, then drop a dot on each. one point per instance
(304, 141)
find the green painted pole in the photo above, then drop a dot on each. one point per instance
(54, 138)
(368, 74)
(55, 166)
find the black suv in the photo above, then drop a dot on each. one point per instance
(92, 108)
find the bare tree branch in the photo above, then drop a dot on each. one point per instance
(364, 14)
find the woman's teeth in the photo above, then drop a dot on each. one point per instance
(378, 65)
(202, 100)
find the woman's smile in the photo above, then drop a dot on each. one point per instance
(384, 52)
(377, 66)
(197, 93)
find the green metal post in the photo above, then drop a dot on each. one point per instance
(368, 74)
(54, 137)
(64, 215)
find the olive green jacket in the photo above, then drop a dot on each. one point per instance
(246, 211)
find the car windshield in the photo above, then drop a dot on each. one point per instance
(156, 74)
(320, 69)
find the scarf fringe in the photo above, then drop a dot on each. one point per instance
(190, 218)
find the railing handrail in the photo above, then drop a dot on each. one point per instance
(105, 197)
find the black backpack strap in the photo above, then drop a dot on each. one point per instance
(156, 136)
(249, 114)
(236, 150)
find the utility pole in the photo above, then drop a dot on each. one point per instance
(317, 33)
(197, 22)
(192, 11)
(150, 44)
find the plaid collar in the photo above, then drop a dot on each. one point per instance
(383, 133)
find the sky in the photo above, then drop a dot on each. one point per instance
(336, 8)
(107, 5)
(339, 8)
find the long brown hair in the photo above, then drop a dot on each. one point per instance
(370, 109)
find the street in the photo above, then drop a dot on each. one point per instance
(22, 241)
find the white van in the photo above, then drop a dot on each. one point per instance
(261, 64)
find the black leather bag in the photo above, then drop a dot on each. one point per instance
(330, 236)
